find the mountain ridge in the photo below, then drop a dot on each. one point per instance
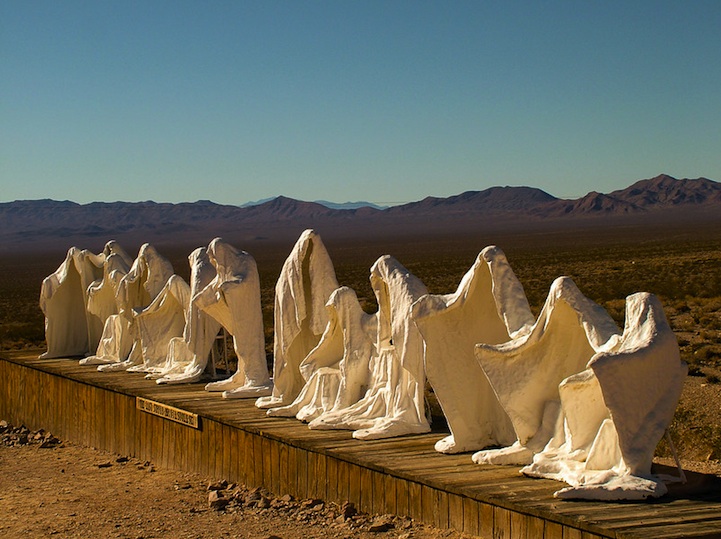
(48, 222)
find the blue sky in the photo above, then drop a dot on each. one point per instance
(380, 101)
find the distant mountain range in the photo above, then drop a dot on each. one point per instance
(49, 224)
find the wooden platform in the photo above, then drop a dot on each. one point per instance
(236, 441)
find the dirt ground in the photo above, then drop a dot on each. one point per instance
(53, 488)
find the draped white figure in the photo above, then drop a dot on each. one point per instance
(394, 404)
(306, 281)
(337, 369)
(616, 411)
(120, 346)
(489, 307)
(232, 298)
(70, 330)
(525, 372)
(187, 356)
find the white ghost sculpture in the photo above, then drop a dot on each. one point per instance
(489, 307)
(102, 302)
(70, 330)
(120, 347)
(306, 281)
(232, 298)
(525, 372)
(337, 369)
(616, 411)
(187, 356)
(160, 322)
(394, 403)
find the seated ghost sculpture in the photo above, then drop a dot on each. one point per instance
(525, 372)
(160, 322)
(187, 356)
(232, 298)
(337, 369)
(120, 347)
(616, 411)
(394, 404)
(306, 281)
(102, 302)
(490, 307)
(70, 330)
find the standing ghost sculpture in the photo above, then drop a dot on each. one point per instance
(337, 369)
(616, 411)
(306, 281)
(394, 404)
(232, 298)
(525, 372)
(120, 347)
(490, 307)
(102, 302)
(70, 330)
(187, 356)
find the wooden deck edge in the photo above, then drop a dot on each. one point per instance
(106, 417)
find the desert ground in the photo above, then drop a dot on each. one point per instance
(62, 490)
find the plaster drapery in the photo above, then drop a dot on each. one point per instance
(490, 307)
(306, 281)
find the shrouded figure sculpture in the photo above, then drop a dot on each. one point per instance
(120, 347)
(232, 298)
(394, 404)
(336, 370)
(187, 356)
(70, 329)
(306, 281)
(490, 307)
(616, 411)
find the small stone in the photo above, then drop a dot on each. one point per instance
(122, 460)
(286, 498)
(348, 510)
(307, 504)
(107, 464)
(218, 485)
(216, 500)
(182, 486)
(381, 524)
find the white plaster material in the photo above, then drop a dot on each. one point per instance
(70, 330)
(489, 307)
(525, 372)
(160, 322)
(187, 356)
(616, 411)
(394, 404)
(232, 298)
(102, 302)
(137, 289)
(337, 369)
(306, 281)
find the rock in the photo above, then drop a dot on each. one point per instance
(287, 498)
(308, 504)
(122, 460)
(218, 485)
(348, 510)
(107, 464)
(216, 500)
(263, 503)
(381, 524)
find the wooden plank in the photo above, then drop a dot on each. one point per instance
(415, 501)
(321, 478)
(486, 523)
(379, 493)
(501, 523)
(455, 512)
(343, 484)
(390, 489)
(472, 516)
(331, 493)
(552, 530)
(302, 488)
(284, 469)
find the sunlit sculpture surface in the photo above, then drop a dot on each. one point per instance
(489, 307)
(70, 330)
(187, 356)
(616, 411)
(394, 404)
(120, 347)
(306, 281)
(337, 369)
(232, 298)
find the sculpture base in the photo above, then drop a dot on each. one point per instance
(406, 476)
